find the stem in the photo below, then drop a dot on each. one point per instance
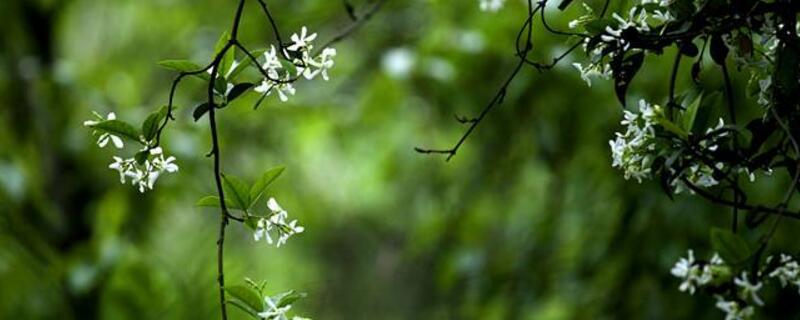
(212, 121)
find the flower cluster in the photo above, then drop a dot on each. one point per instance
(143, 169)
(280, 76)
(144, 175)
(738, 303)
(695, 274)
(633, 150)
(276, 221)
(661, 13)
(787, 272)
(273, 311)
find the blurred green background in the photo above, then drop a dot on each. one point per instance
(528, 221)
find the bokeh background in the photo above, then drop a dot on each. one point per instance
(528, 221)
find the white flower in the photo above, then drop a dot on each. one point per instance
(687, 270)
(787, 272)
(228, 86)
(121, 166)
(732, 309)
(103, 139)
(276, 221)
(271, 60)
(302, 40)
(749, 289)
(313, 67)
(662, 16)
(273, 311)
(592, 70)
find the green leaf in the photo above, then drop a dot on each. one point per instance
(237, 190)
(227, 59)
(200, 110)
(598, 26)
(151, 124)
(180, 65)
(289, 67)
(245, 63)
(117, 128)
(624, 70)
(213, 202)
(564, 4)
(672, 127)
(242, 306)
(732, 248)
(287, 298)
(246, 295)
(687, 121)
(141, 156)
(220, 86)
(238, 90)
(251, 222)
(263, 182)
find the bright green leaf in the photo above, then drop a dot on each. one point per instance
(227, 59)
(151, 124)
(213, 202)
(242, 306)
(237, 190)
(246, 295)
(245, 63)
(180, 65)
(287, 298)
(117, 128)
(263, 182)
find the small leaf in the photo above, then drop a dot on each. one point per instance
(141, 156)
(180, 65)
(151, 124)
(289, 67)
(597, 26)
(263, 182)
(719, 50)
(245, 63)
(237, 190)
(117, 128)
(696, 67)
(213, 202)
(732, 248)
(624, 70)
(238, 90)
(287, 298)
(687, 121)
(227, 59)
(564, 4)
(246, 295)
(672, 127)
(242, 306)
(200, 110)
(251, 222)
